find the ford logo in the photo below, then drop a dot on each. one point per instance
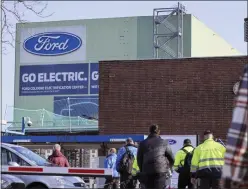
(52, 43)
(171, 141)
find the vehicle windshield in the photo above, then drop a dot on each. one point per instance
(35, 158)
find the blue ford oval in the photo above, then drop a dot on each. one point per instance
(171, 141)
(52, 43)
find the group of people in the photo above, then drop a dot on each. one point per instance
(204, 163)
(152, 162)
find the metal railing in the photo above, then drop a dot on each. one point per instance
(67, 114)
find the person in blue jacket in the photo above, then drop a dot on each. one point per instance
(126, 180)
(110, 163)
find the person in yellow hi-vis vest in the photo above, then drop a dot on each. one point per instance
(136, 173)
(207, 162)
(135, 169)
(182, 164)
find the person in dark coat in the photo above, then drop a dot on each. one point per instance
(155, 160)
(58, 158)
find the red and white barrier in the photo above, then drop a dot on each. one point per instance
(56, 171)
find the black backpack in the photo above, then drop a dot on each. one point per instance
(187, 160)
(126, 163)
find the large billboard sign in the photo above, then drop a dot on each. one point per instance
(59, 79)
(42, 45)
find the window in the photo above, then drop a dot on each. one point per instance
(4, 158)
(8, 156)
(15, 158)
(35, 158)
(18, 160)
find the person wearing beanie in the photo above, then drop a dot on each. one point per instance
(182, 164)
(207, 162)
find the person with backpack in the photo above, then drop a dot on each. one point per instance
(126, 157)
(182, 164)
(155, 160)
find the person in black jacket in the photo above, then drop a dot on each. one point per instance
(155, 160)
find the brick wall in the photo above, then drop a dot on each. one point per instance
(184, 96)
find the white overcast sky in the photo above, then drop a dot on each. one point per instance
(224, 17)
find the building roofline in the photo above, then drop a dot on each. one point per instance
(87, 19)
(160, 59)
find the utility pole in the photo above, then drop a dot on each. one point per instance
(246, 32)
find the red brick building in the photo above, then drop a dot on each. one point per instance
(183, 96)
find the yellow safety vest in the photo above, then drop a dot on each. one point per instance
(135, 169)
(207, 155)
(180, 156)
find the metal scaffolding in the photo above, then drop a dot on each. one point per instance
(168, 32)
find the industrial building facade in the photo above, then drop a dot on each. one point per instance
(57, 80)
(93, 40)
